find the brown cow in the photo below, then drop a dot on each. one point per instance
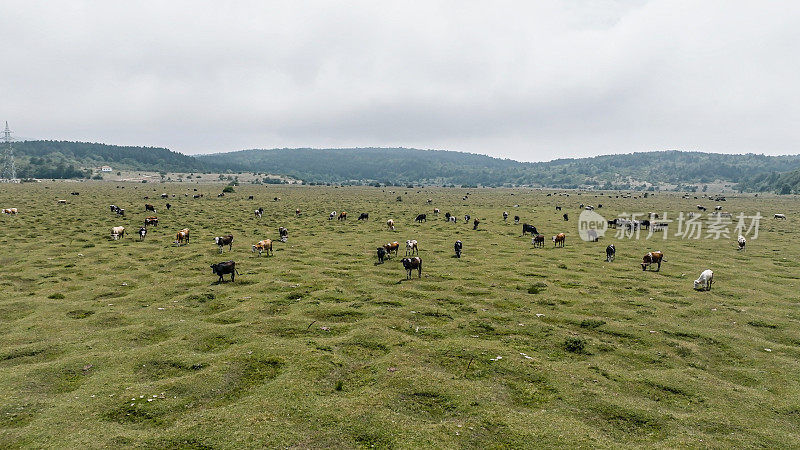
(263, 246)
(538, 240)
(151, 221)
(9, 211)
(559, 240)
(392, 247)
(652, 258)
(182, 236)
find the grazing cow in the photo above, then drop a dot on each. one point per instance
(652, 258)
(475, 224)
(120, 212)
(558, 208)
(644, 224)
(62, 202)
(435, 210)
(589, 208)
(452, 219)
(390, 224)
(221, 194)
(566, 217)
(430, 200)
(742, 242)
(363, 216)
(117, 233)
(529, 229)
(331, 215)
(612, 223)
(412, 263)
(276, 199)
(297, 212)
(250, 197)
(342, 216)
(392, 247)
(411, 247)
(457, 247)
(164, 196)
(258, 212)
(263, 246)
(113, 208)
(466, 218)
(559, 240)
(223, 268)
(705, 280)
(11, 211)
(537, 240)
(142, 233)
(599, 205)
(701, 207)
(581, 207)
(75, 193)
(447, 216)
(182, 236)
(718, 208)
(197, 195)
(780, 216)
(421, 218)
(611, 253)
(516, 220)
(381, 254)
(149, 207)
(464, 197)
(168, 206)
(222, 241)
(283, 233)
(505, 216)
(151, 221)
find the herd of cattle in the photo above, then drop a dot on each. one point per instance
(412, 260)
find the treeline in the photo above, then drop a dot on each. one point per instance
(65, 159)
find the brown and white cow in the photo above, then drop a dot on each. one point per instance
(263, 246)
(117, 233)
(559, 240)
(149, 207)
(151, 221)
(538, 240)
(392, 247)
(412, 247)
(652, 258)
(390, 224)
(11, 211)
(182, 236)
(342, 216)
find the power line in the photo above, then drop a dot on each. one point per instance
(9, 174)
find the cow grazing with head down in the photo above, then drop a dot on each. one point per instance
(297, 212)
(142, 233)
(11, 211)
(182, 236)
(263, 246)
(390, 224)
(652, 258)
(705, 280)
(566, 217)
(742, 242)
(452, 219)
(168, 206)
(529, 229)
(538, 240)
(381, 254)
(436, 210)
(363, 216)
(421, 218)
(117, 233)
(611, 253)
(412, 247)
(152, 221)
(457, 247)
(392, 247)
(258, 213)
(475, 224)
(466, 218)
(149, 207)
(342, 216)
(120, 212)
(780, 216)
(516, 220)
(332, 215)
(558, 208)
(412, 263)
(559, 240)
(222, 241)
(224, 268)
(447, 216)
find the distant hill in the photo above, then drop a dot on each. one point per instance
(402, 165)
(64, 159)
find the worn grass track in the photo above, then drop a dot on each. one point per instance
(125, 343)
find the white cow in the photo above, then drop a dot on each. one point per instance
(411, 247)
(705, 280)
(117, 232)
(742, 242)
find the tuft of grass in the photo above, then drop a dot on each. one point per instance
(537, 287)
(574, 344)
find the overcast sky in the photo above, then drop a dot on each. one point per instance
(527, 80)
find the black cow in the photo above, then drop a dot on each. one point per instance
(558, 208)
(222, 241)
(516, 219)
(645, 224)
(149, 207)
(457, 247)
(538, 241)
(224, 268)
(120, 212)
(75, 193)
(529, 229)
(447, 216)
(412, 263)
(475, 224)
(381, 254)
(363, 216)
(611, 253)
(221, 194)
(566, 217)
(168, 206)
(422, 217)
(466, 218)
(250, 197)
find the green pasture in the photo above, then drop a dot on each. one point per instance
(109, 344)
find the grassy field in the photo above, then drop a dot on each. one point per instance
(133, 344)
